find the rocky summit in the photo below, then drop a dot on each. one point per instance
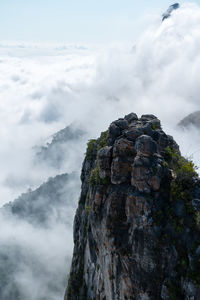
(137, 226)
(168, 13)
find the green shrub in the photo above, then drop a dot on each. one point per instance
(90, 149)
(165, 164)
(98, 144)
(88, 209)
(102, 141)
(182, 186)
(95, 178)
(156, 126)
(171, 155)
(178, 163)
(185, 172)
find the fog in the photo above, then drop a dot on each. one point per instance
(44, 88)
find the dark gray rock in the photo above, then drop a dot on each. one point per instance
(123, 154)
(131, 117)
(145, 146)
(196, 204)
(168, 13)
(104, 158)
(148, 117)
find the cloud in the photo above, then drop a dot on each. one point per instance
(36, 262)
(36, 240)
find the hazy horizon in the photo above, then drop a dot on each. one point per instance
(79, 22)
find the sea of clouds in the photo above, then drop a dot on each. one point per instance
(44, 88)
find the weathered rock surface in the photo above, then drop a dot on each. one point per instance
(137, 226)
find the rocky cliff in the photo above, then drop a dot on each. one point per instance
(137, 226)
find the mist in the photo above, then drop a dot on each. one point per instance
(45, 88)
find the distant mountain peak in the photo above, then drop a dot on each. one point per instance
(192, 119)
(55, 152)
(172, 7)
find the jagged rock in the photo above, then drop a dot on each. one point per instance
(167, 14)
(104, 159)
(131, 117)
(123, 151)
(145, 146)
(137, 226)
(191, 120)
(148, 117)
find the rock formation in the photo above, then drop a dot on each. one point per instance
(137, 226)
(167, 14)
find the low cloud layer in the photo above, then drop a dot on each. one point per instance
(34, 260)
(46, 88)
(41, 94)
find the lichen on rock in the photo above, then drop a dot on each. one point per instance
(137, 226)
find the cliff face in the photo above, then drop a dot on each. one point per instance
(137, 226)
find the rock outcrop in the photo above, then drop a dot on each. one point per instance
(168, 13)
(137, 226)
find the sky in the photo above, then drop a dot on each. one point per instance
(77, 21)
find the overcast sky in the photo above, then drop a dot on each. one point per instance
(77, 21)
